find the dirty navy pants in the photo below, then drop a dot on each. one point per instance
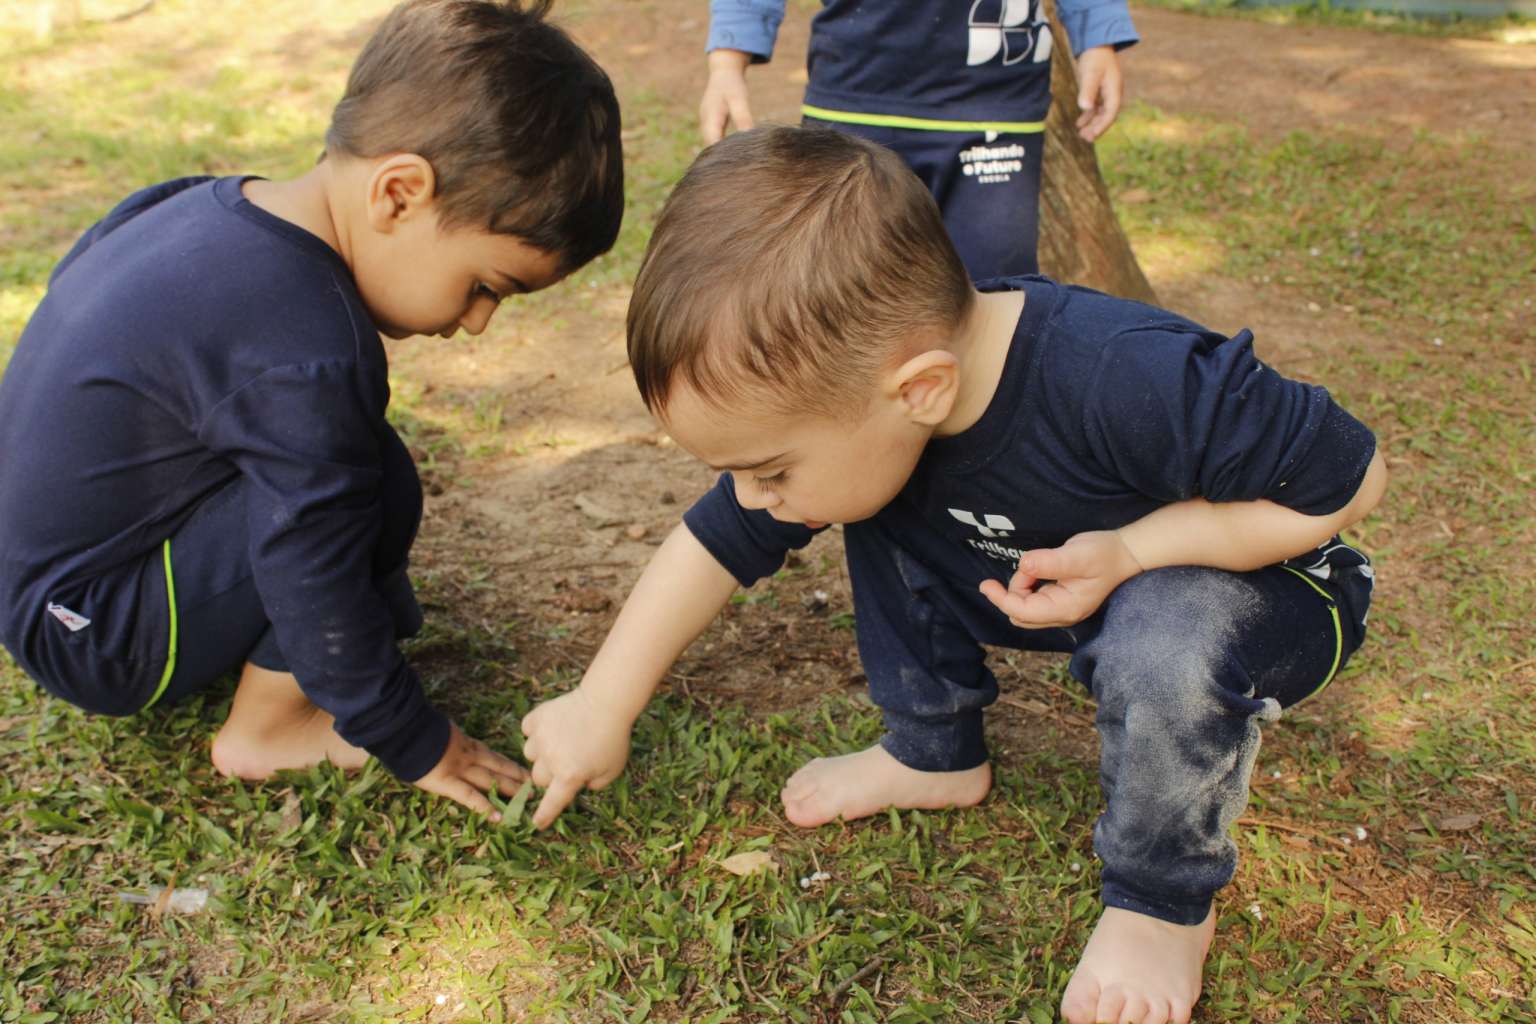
(1184, 664)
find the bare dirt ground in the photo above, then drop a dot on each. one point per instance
(549, 533)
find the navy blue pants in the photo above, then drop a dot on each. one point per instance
(987, 186)
(221, 623)
(1184, 663)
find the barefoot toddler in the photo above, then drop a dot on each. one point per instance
(199, 477)
(1019, 464)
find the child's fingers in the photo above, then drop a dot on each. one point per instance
(487, 758)
(460, 791)
(531, 749)
(556, 799)
(741, 113)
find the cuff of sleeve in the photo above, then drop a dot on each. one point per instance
(747, 32)
(415, 748)
(1099, 26)
(1337, 461)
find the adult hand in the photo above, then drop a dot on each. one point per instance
(1100, 85)
(725, 95)
(572, 743)
(468, 770)
(1081, 574)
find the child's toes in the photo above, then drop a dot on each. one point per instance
(1081, 1000)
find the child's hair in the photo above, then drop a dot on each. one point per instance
(791, 265)
(521, 127)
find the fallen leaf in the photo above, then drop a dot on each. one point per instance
(601, 515)
(1458, 822)
(292, 815)
(582, 599)
(750, 863)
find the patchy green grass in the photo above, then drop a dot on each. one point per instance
(1324, 13)
(1386, 874)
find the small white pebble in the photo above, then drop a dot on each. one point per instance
(1076, 867)
(1313, 307)
(1427, 695)
(1274, 775)
(1315, 251)
(805, 882)
(1346, 840)
(820, 876)
(1360, 833)
(1439, 342)
(821, 596)
(1256, 911)
(440, 1000)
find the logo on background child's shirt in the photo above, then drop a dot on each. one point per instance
(74, 620)
(992, 528)
(1014, 28)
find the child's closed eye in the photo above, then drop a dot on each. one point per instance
(772, 483)
(481, 290)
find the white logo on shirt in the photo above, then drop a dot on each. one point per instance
(992, 526)
(74, 620)
(1004, 26)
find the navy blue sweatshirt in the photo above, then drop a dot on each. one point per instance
(951, 60)
(188, 338)
(1107, 409)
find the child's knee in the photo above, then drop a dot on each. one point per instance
(1170, 639)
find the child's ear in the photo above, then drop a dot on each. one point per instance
(402, 186)
(927, 386)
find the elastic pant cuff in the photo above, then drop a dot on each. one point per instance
(1173, 911)
(945, 745)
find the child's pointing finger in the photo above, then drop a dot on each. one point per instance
(556, 799)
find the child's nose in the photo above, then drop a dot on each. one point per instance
(477, 316)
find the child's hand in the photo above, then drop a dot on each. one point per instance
(572, 742)
(1083, 572)
(1099, 90)
(468, 770)
(725, 95)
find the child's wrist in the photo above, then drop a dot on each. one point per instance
(726, 61)
(622, 709)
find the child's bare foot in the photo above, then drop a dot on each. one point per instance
(1138, 970)
(858, 785)
(273, 726)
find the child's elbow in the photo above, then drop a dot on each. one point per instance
(1372, 488)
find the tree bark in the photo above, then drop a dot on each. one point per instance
(1081, 241)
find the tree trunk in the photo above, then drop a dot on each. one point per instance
(1081, 241)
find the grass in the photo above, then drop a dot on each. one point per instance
(358, 898)
(1509, 27)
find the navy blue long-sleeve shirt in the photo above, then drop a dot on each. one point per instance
(188, 338)
(926, 58)
(1106, 410)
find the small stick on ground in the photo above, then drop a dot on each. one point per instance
(858, 976)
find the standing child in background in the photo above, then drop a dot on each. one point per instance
(1027, 465)
(959, 88)
(198, 474)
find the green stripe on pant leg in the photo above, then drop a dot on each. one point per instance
(1338, 629)
(170, 657)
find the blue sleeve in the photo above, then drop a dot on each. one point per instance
(1178, 414)
(1091, 23)
(120, 214)
(749, 25)
(749, 543)
(306, 440)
